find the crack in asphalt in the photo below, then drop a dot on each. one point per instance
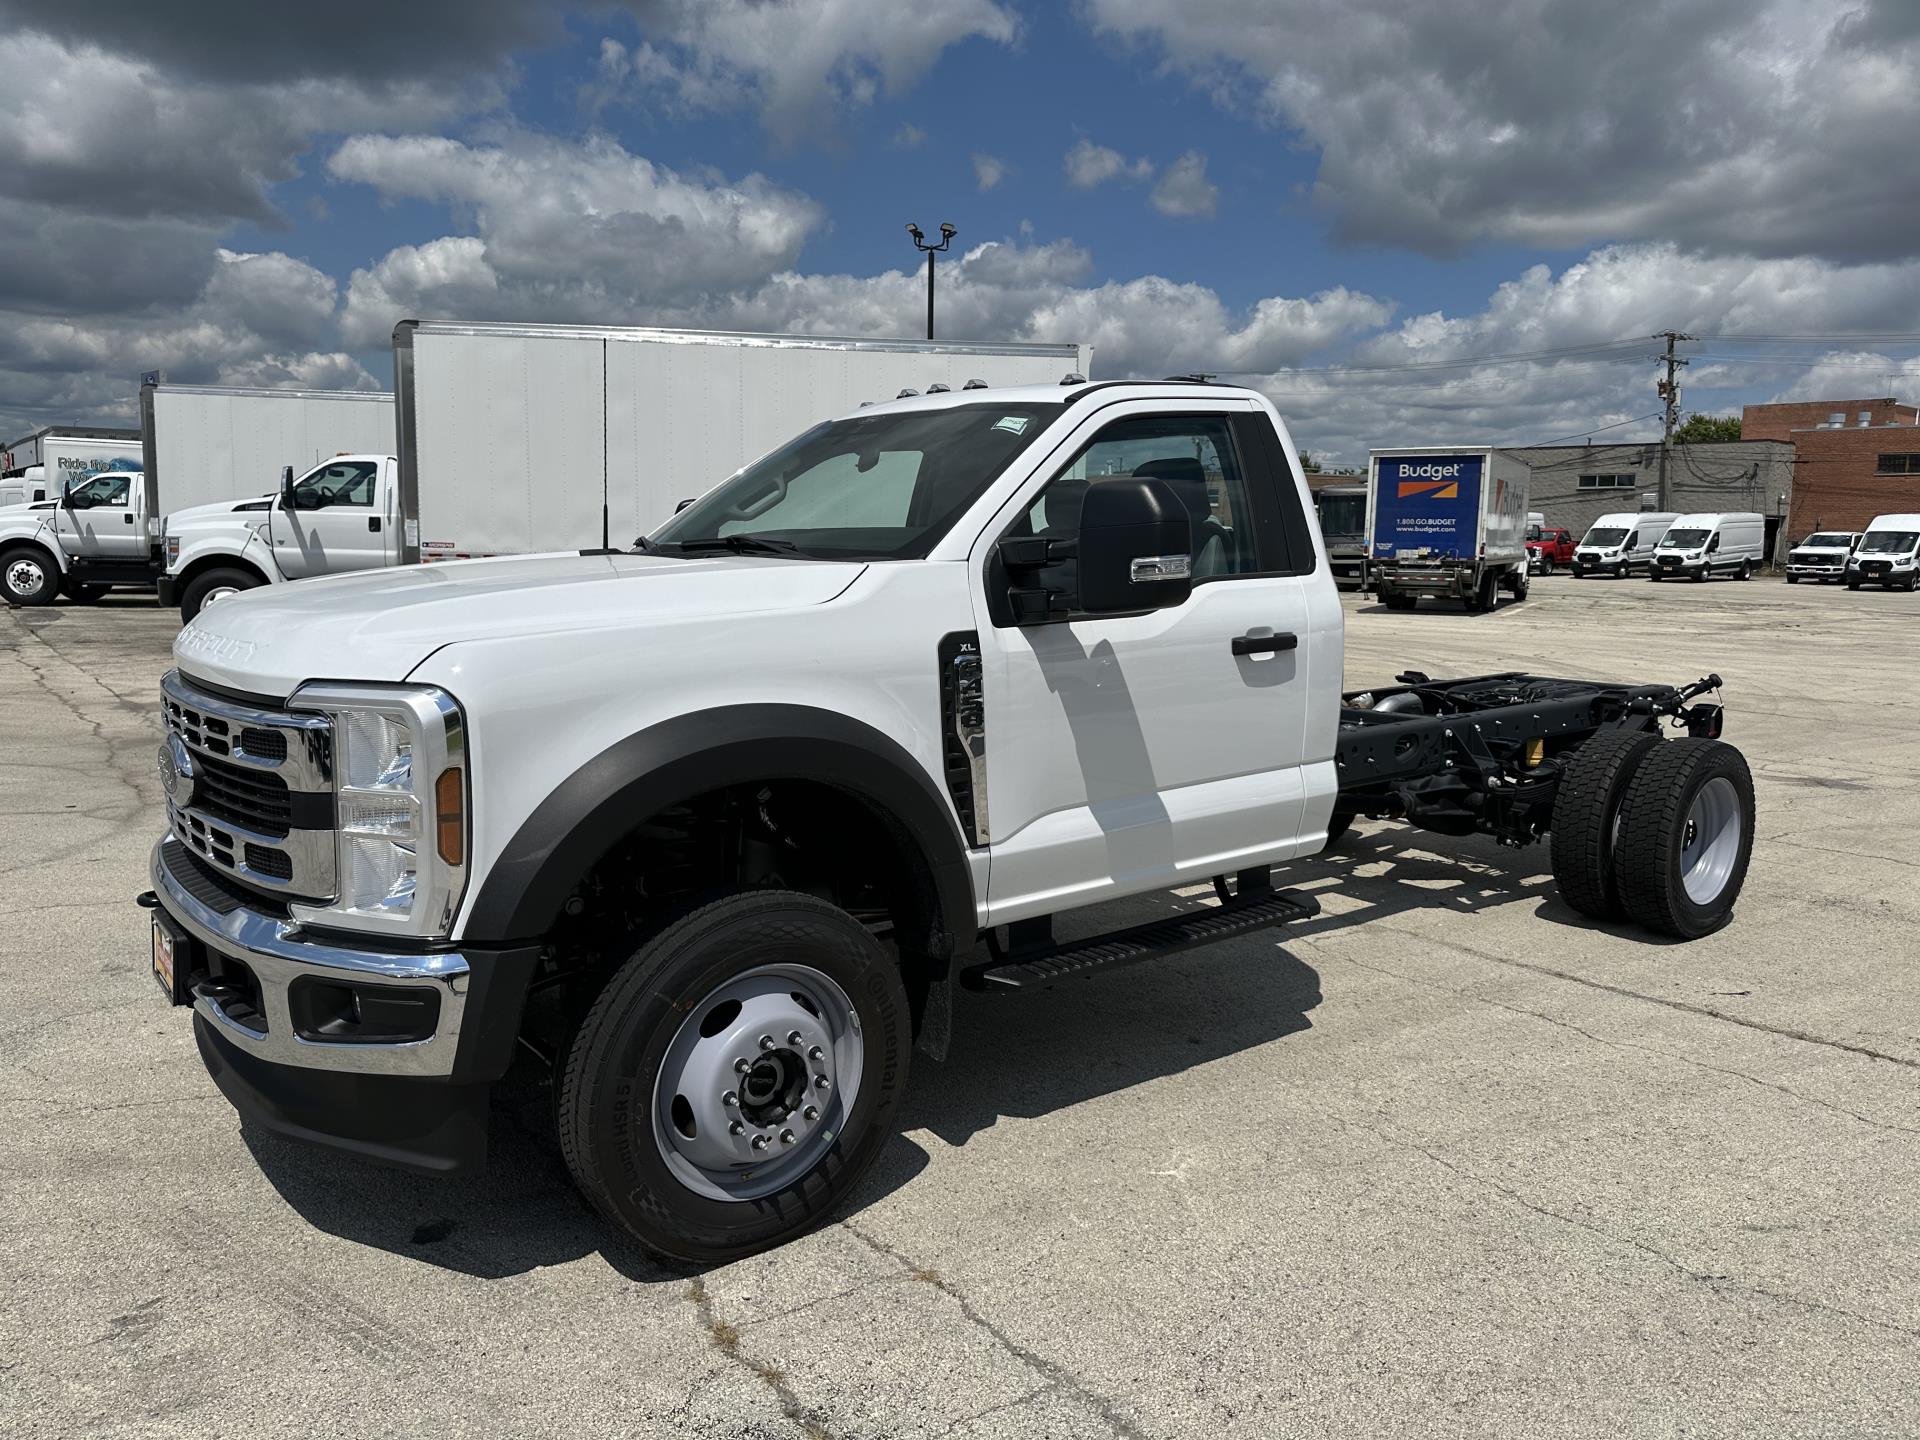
(725, 1338)
(1614, 1044)
(1057, 1375)
(1786, 1032)
(1712, 1280)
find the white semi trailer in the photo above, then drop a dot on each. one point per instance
(523, 439)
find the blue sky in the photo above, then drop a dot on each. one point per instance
(1417, 190)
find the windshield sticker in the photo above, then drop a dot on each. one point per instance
(1012, 424)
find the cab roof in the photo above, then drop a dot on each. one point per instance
(1063, 395)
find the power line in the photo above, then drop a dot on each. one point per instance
(1598, 430)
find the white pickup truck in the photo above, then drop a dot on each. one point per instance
(715, 826)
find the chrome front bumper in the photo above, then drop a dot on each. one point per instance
(278, 955)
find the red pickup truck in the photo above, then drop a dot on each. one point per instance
(1548, 547)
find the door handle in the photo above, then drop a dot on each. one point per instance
(1265, 644)
(373, 524)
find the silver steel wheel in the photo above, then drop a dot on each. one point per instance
(758, 1082)
(219, 592)
(25, 576)
(1710, 844)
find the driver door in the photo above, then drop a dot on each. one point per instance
(334, 524)
(1129, 752)
(102, 519)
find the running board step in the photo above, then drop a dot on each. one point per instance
(1238, 916)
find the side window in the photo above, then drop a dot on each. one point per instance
(1633, 541)
(1193, 455)
(346, 482)
(105, 489)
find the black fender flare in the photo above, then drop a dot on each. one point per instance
(690, 754)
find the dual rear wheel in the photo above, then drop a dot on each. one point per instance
(1656, 832)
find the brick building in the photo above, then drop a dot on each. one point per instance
(1854, 459)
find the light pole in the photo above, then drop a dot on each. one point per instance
(920, 241)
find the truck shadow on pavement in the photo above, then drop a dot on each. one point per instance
(1013, 1055)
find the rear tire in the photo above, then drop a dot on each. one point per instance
(211, 585)
(1746, 570)
(27, 576)
(1394, 601)
(1521, 584)
(1686, 835)
(1585, 810)
(643, 1118)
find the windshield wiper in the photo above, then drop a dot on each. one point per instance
(734, 544)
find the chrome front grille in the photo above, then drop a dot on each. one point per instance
(253, 795)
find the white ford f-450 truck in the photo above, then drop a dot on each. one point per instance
(714, 827)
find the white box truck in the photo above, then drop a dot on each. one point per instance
(518, 439)
(521, 439)
(79, 521)
(1447, 522)
(1698, 547)
(74, 451)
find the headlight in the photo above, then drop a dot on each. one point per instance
(173, 551)
(400, 807)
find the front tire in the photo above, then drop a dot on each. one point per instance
(211, 585)
(653, 1085)
(1686, 835)
(1586, 812)
(27, 577)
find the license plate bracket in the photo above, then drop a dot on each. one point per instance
(172, 959)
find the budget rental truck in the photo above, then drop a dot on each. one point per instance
(517, 439)
(712, 827)
(1447, 523)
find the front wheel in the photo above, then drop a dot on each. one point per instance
(84, 594)
(212, 585)
(737, 1076)
(1853, 584)
(1793, 579)
(28, 578)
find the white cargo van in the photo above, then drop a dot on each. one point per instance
(1823, 555)
(1620, 544)
(1698, 547)
(1889, 554)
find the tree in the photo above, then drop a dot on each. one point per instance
(1700, 429)
(1312, 466)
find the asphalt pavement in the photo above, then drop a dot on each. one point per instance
(1448, 1160)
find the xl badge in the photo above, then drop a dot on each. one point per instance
(176, 771)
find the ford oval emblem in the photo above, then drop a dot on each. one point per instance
(176, 771)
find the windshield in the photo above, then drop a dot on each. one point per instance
(1342, 514)
(1827, 542)
(1604, 539)
(1684, 539)
(876, 487)
(1889, 542)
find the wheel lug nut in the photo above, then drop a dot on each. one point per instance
(729, 1099)
(786, 1137)
(820, 1082)
(812, 1112)
(740, 1067)
(736, 1128)
(766, 1042)
(760, 1142)
(815, 1054)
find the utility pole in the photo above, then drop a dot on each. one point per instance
(1669, 393)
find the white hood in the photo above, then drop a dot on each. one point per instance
(380, 624)
(218, 510)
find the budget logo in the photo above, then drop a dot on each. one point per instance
(1438, 489)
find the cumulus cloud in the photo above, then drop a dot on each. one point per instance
(1088, 165)
(800, 64)
(575, 227)
(1755, 128)
(988, 171)
(257, 319)
(1185, 192)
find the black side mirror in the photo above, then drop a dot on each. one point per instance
(286, 486)
(1136, 547)
(682, 505)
